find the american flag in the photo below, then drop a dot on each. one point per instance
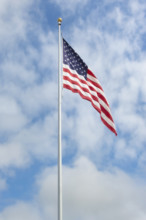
(79, 79)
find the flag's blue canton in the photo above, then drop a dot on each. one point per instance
(73, 60)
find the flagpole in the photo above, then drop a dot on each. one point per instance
(59, 123)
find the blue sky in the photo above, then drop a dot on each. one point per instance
(104, 177)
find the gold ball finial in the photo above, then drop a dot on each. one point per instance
(59, 21)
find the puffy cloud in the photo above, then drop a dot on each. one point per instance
(13, 20)
(91, 194)
(87, 194)
(11, 116)
(28, 92)
(25, 144)
(22, 211)
(13, 155)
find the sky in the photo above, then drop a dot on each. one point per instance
(104, 176)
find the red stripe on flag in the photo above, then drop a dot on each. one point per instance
(110, 127)
(82, 88)
(79, 85)
(82, 96)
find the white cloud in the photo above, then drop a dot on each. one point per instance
(13, 155)
(87, 194)
(28, 92)
(38, 140)
(21, 211)
(39, 98)
(11, 116)
(48, 52)
(91, 194)
(13, 19)
(124, 151)
(16, 72)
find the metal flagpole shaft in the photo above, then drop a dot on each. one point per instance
(59, 124)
